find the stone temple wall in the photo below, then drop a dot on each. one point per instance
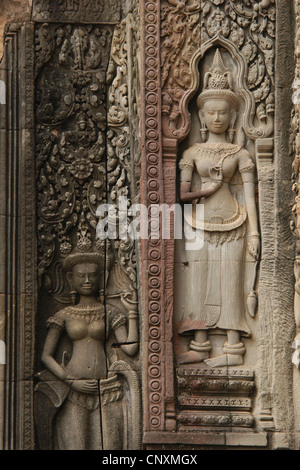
(117, 330)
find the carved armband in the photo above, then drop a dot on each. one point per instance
(186, 170)
(247, 170)
(55, 323)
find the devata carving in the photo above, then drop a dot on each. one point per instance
(179, 38)
(88, 398)
(215, 273)
(78, 386)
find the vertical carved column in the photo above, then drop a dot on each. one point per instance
(3, 137)
(265, 172)
(18, 264)
(295, 152)
(283, 409)
(153, 252)
(170, 148)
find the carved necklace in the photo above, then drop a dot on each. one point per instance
(217, 152)
(87, 313)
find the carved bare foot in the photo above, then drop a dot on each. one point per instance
(192, 357)
(225, 360)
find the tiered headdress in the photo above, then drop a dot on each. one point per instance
(218, 84)
(85, 252)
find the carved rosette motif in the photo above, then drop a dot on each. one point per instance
(152, 194)
(246, 29)
(71, 65)
(80, 162)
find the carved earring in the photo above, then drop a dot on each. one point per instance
(73, 292)
(203, 132)
(73, 295)
(231, 130)
(203, 129)
(231, 133)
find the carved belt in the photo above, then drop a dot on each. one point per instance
(217, 224)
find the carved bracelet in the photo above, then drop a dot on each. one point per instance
(132, 315)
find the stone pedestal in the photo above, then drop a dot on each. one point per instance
(216, 399)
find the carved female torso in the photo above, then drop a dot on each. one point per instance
(214, 278)
(78, 424)
(226, 156)
(86, 329)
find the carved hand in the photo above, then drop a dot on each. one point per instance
(129, 300)
(254, 246)
(216, 175)
(85, 386)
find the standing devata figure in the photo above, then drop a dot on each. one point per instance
(88, 410)
(216, 272)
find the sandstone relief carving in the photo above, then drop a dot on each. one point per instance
(247, 29)
(216, 359)
(88, 397)
(72, 11)
(215, 398)
(295, 151)
(215, 273)
(84, 390)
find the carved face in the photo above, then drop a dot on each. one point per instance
(217, 115)
(86, 279)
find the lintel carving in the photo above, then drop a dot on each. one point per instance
(76, 11)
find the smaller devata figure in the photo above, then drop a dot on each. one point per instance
(215, 277)
(88, 412)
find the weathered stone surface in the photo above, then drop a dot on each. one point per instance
(76, 11)
(13, 11)
(164, 102)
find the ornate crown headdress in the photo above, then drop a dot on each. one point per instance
(218, 84)
(85, 252)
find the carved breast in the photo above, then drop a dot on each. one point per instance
(222, 212)
(79, 329)
(208, 156)
(204, 164)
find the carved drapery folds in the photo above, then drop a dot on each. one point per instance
(86, 147)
